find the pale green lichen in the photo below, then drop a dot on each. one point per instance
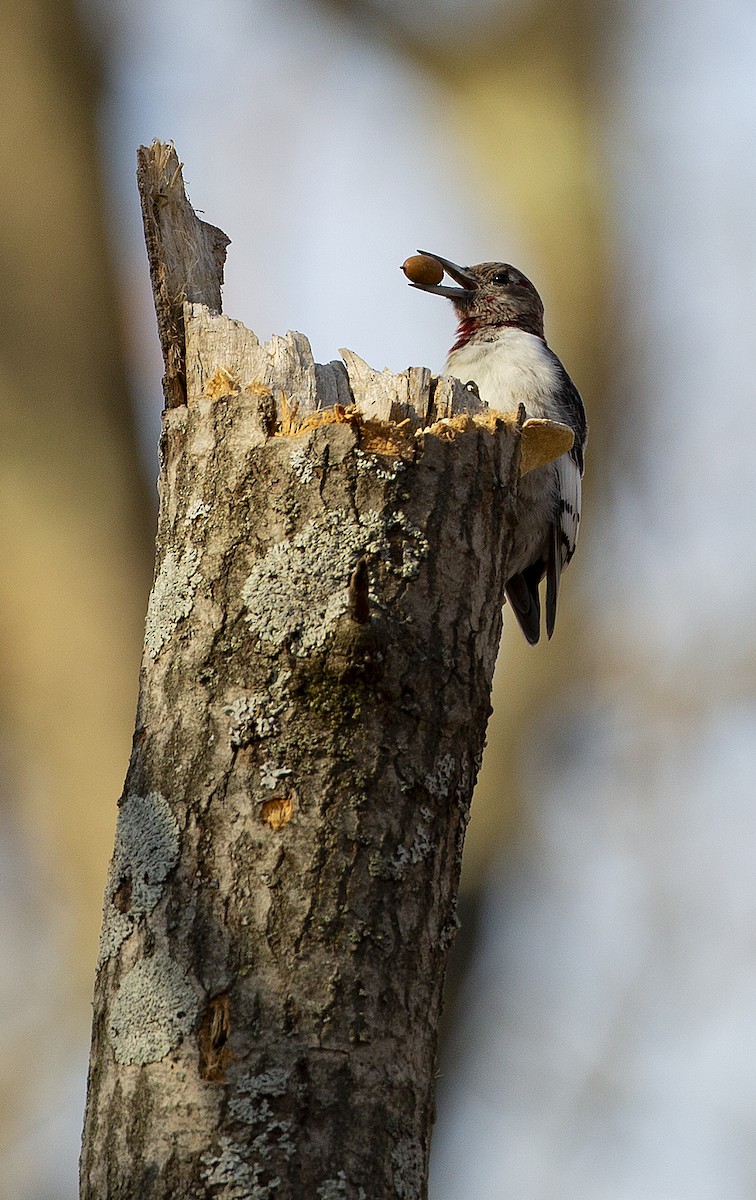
(438, 782)
(414, 549)
(420, 848)
(339, 1189)
(249, 1104)
(408, 1163)
(299, 589)
(146, 850)
(275, 1134)
(252, 719)
(155, 1007)
(271, 775)
(232, 1176)
(171, 597)
(379, 468)
(302, 466)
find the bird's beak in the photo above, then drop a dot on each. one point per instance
(468, 283)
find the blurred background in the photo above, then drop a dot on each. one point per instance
(601, 1031)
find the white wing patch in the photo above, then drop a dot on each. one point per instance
(570, 489)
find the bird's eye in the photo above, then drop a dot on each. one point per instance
(501, 278)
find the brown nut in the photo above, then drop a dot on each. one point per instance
(421, 268)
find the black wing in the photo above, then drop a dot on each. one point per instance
(522, 590)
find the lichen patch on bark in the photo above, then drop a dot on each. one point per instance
(154, 1008)
(146, 850)
(296, 592)
(409, 1168)
(171, 597)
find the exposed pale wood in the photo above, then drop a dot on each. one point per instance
(542, 442)
(186, 257)
(451, 397)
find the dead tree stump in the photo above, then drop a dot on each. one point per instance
(314, 692)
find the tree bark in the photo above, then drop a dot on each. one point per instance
(319, 648)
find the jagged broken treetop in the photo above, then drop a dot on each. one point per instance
(208, 356)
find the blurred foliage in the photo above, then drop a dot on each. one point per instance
(74, 515)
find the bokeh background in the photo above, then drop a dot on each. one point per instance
(601, 1031)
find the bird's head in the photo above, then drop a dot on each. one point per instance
(490, 296)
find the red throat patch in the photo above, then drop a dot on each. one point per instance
(465, 330)
(470, 327)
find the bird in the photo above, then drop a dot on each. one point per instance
(501, 349)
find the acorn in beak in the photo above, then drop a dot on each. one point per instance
(425, 272)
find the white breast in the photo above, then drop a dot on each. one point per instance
(515, 368)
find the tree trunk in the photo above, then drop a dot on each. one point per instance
(320, 642)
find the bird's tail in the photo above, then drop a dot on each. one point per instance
(522, 593)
